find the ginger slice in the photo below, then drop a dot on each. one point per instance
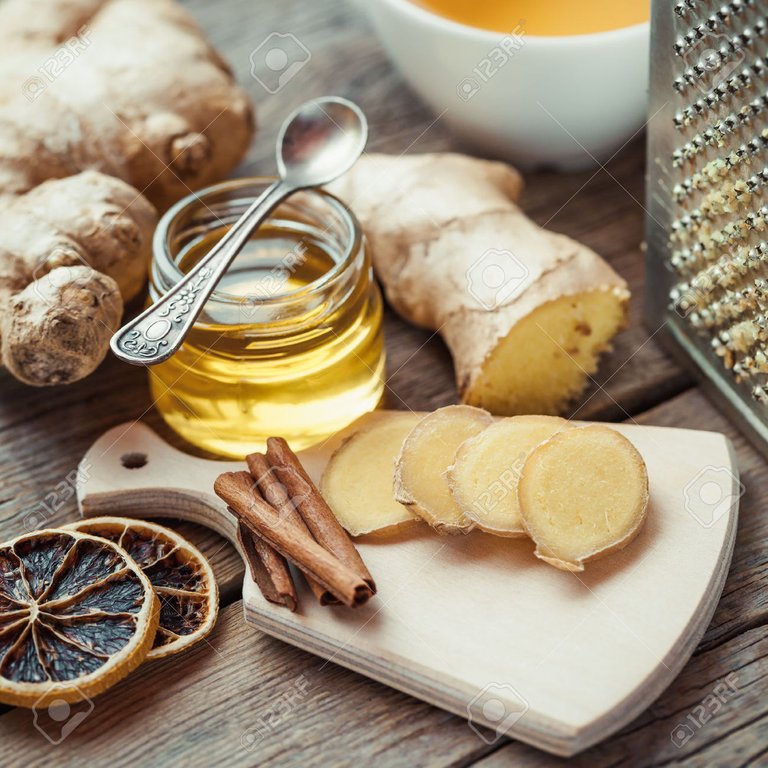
(583, 494)
(426, 454)
(357, 482)
(486, 470)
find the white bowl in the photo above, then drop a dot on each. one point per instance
(558, 102)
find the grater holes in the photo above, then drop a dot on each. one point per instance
(718, 20)
(718, 132)
(718, 168)
(713, 199)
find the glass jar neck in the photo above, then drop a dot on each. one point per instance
(305, 262)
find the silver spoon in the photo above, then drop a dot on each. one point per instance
(319, 142)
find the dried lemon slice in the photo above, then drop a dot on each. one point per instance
(182, 577)
(76, 615)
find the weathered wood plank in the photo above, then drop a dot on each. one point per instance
(244, 699)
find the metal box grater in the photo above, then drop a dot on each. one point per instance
(707, 198)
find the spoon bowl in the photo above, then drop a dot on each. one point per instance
(320, 141)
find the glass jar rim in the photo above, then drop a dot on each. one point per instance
(162, 251)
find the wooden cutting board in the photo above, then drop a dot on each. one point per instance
(474, 623)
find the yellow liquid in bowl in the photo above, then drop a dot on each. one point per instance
(543, 17)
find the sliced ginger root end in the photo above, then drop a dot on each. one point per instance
(420, 470)
(486, 471)
(357, 483)
(583, 494)
(545, 359)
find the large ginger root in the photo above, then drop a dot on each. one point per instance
(86, 234)
(102, 102)
(486, 471)
(420, 468)
(141, 96)
(582, 495)
(357, 482)
(524, 312)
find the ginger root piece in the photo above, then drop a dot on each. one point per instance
(420, 469)
(139, 94)
(582, 495)
(357, 482)
(54, 325)
(525, 312)
(71, 251)
(486, 470)
(106, 108)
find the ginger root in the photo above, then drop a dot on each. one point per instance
(486, 471)
(525, 312)
(427, 452)
(357, 482)
(136, 111)
(88, 232)
(583, 494)
(139, 94)
(53, 323)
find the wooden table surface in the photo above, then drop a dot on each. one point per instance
(221, 702)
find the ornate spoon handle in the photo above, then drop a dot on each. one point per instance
(159, 330)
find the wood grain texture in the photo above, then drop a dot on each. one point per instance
(241, 698)
(180, 709)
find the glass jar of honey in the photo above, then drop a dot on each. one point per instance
(291, 341)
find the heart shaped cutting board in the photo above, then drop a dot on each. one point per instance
(474, 623)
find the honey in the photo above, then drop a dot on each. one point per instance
(291, 341)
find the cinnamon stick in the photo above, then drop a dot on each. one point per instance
(313, 508)
(291, 541)
(268, 569)
(275, 494)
